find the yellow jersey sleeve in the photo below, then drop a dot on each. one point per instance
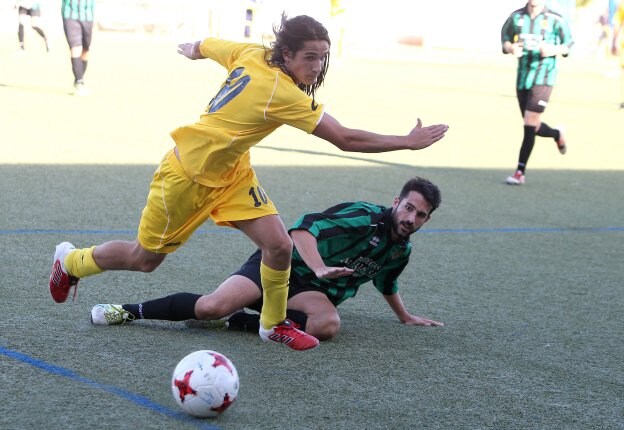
(254, 101)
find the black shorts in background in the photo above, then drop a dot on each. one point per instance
(30, 12)
(78, 33)
(534, 100)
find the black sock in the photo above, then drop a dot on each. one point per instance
(298, 317)
(527, 147)
(545, 130)
(40, 32)
(77, 69)
(243, 321)
(176, 307)
(84, 67)
(20, 35)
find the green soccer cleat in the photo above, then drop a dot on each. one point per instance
(107, 314)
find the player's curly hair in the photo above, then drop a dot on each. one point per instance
(291, 34)
(426, 188)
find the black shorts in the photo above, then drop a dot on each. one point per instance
(78, 33)
(535, 99)
(251, 270)
(29, 12)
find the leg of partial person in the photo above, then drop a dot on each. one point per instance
(20, 35)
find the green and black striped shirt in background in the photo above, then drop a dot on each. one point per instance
(354, 235)
(549, 27)
(81, 10)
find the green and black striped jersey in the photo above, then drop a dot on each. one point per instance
(354, 235)
(81, 10)
(548, 27)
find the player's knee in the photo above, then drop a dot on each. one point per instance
(209, 308)
(327, 330)
(279, 250)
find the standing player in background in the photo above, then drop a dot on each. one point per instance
(78, 27)
(336, 252)
(30, 9)
(536, 36)
(617, 45)
(208, 173)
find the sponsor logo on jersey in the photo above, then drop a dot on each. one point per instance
(362, 266)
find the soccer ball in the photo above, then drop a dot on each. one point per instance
(205, 383)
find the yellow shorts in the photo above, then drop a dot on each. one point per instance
(177, 206)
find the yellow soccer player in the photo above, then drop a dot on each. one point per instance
(208, 173)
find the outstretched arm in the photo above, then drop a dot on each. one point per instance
(190, 50)
(405, 317)
(353, 140)
(306, 245)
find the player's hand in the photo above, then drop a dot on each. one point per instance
(333, 272)
(190, 50)
(421, 137)
(414, 320)
(517, 49)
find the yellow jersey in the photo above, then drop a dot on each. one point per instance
(253, 102)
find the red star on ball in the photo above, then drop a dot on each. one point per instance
(184, 386)
(226, 403)
(220, 360)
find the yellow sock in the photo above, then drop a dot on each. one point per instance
(274, 295)
(80, 263)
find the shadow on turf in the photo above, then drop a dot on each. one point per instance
(34, 89)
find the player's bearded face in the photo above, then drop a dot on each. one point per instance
(402, 228)
(308, 62)
(409, 214)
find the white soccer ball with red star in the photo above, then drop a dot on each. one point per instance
(205, 383)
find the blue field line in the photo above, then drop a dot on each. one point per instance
(44, 231)
(134, 398)
(220, 230)
(524, 230)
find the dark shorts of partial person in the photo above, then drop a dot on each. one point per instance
(251, 270)
(30, 12)
(78, 33)
(535, 99)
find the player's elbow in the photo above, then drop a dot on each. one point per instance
(344, 144)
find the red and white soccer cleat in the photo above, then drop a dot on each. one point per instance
(516, 179)
(287, 333)
(61, 281)
(561, 143)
